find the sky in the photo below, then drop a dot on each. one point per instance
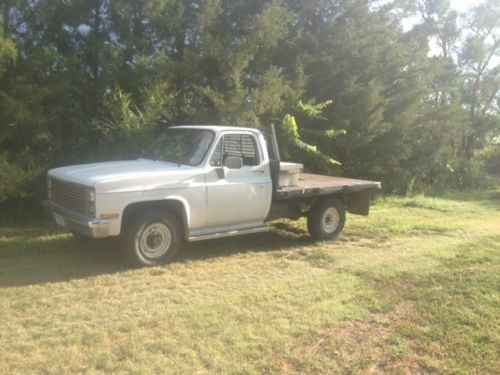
(459, 5)
(462, 5)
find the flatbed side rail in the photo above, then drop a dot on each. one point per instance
(312, 185)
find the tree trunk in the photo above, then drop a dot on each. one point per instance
(180, 81)
(96, 49)
(6, 17)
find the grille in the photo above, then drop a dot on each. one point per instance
(69, 195)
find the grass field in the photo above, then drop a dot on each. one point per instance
(413, 288)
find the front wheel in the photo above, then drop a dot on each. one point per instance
(326, 219)
(152, 239)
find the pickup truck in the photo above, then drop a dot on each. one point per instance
(197, 183)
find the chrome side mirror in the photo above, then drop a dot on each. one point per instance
(233, 162)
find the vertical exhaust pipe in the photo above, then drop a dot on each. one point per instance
(274, 163)
(274, 143)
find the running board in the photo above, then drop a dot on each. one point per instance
(230, 233)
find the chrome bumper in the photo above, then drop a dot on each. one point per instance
(74, 221)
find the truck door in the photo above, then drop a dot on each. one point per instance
(242, 196)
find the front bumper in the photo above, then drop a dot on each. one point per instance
(74, 221)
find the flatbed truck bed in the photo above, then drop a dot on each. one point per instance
(311, 185)
(296, 201)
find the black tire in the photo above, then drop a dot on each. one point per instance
(326, 219)
(158, 246)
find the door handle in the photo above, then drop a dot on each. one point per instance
(259, 171)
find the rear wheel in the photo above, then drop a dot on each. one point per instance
(153, 238)
(326, 219)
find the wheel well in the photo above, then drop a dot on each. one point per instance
(173, 206)
(357, 203)
(341, 197)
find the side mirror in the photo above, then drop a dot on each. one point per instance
(233, 162)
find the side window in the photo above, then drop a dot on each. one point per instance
(242, 145)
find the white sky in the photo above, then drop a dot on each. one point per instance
(462, 5)
(459, 5)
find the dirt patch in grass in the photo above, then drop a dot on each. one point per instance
(371, 346)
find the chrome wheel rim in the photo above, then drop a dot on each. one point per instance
(330, 220)
(155, 240)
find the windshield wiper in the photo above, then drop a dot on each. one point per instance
(146, 154)
(174, 158)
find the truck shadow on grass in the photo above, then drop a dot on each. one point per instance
(284, 236)
(30, 256)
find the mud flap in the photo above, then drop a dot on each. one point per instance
(359, 203)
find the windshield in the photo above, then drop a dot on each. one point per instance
(183, 146)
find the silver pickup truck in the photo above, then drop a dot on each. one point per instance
(198, 183)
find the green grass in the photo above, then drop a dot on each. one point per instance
(412, 288)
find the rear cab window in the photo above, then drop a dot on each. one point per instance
(240, 145)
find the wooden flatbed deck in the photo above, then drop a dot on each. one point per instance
(314, 184)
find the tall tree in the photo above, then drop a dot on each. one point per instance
(481, 76)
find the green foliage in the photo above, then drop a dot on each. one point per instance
(8, 54)
(239, 39)
(13, 177)
(489, 157)
(125, 129)
(12, 180)
(91, 80)
(314, 111)
(294, 148)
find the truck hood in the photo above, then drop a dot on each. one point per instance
(125, 175)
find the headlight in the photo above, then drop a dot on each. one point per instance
(91, 202)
